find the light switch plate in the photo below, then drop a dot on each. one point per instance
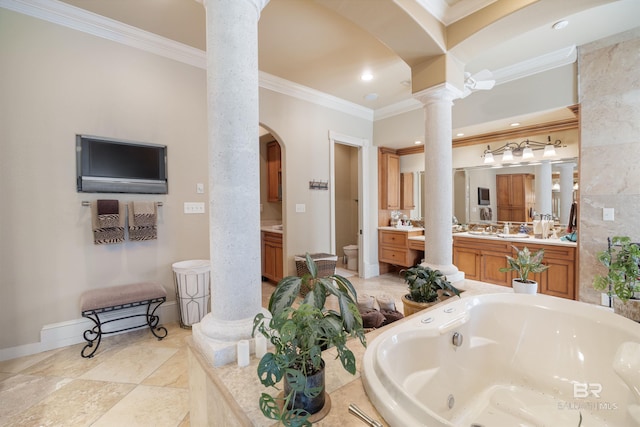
(300, 207)
(607, 214)
(193, 207)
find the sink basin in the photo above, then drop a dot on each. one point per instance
(277, 227)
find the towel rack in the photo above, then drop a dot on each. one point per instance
(88, 203)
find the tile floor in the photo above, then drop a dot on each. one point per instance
(133, 380)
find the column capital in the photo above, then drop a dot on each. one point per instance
(444, 92)
(259, 4)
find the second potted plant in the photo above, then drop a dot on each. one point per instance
(524, 264)
(426, 287)
(622, 259)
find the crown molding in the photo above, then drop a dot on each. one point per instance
(286, 87)
(539, 64)
(90, 23)
(78, 19)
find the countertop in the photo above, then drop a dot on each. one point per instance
(271, 228)
(514, 238)
(403, 228)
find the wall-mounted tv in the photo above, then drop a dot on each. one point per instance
(483, 196)
(107, 165)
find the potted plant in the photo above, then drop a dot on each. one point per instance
(622, 258)
(525, 263)
(299, 333)
(426, 287)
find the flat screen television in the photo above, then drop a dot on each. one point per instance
(483, 196)
(107, 165)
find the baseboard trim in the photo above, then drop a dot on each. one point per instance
(62, 334)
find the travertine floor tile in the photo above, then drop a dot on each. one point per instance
(19, 392)
(148, 406)
(77, 403)
(131, 364)
(21, 363)
(172, 373)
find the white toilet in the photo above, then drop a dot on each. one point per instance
(351, 251)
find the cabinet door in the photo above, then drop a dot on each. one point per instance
(503, 190)
(274, 172)
(491, 263)
(467, 261)
(558, 279)
(406, 193)
(390, 181)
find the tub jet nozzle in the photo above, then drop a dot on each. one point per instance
(457, 339)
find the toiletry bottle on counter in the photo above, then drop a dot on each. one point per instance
(505, 230)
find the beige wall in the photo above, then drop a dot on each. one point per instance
(610, 136)
(56, 82)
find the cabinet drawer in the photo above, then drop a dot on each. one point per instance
(393, 238)
(418, 245)
(394, 256)
(273, 238)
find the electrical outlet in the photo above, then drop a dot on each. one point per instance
(607, 214)
(193, 207)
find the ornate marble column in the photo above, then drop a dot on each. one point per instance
(234, 181)
(438, 170)
(543, 188)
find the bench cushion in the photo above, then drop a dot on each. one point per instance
(118, 295)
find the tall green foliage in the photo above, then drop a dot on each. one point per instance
(622, 258)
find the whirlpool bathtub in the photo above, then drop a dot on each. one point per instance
(505, 360)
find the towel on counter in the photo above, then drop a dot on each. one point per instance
(143, 220)
(107, 221)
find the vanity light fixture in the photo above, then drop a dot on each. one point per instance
(524, 149)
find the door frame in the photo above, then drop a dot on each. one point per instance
(363, 191)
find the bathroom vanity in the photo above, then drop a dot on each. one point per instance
(482, 256)
(272, 258)
(395, 246)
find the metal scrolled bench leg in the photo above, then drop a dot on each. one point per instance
(104, 300)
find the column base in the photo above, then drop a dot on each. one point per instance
(449, 270)
(217, 339)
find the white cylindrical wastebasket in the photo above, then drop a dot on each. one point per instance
(192, 280)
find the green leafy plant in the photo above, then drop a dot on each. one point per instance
(300, 332)
(622, 258)
(525, 263)
(424, 283)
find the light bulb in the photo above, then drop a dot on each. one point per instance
(549, 151)
(507, 156)
(527, 153)
(488, 158)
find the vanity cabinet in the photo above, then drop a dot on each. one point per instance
(406, 192)
(481, 259)
(389, 181)
(515, 197)
(274, 172)
(393, 247)
(272, 256)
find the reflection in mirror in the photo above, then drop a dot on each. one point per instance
(552, 190)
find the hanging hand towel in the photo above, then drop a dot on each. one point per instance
(107, 221)
(143, 219)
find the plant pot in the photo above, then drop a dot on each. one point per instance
(520, 287)
(629, 309)
(310, 404)
(412, 307)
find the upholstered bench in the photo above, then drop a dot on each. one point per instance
(95, 302)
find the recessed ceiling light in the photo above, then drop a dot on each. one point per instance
(460, 134)
(515, 124)
(371, 96)
(560, 24)
(417, 142)
(366, 76)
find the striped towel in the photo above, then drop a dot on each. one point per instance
(107, 221)
(143, 219)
